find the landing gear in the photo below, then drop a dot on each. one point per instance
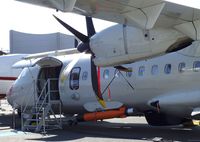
(19, 112)
(72, 122)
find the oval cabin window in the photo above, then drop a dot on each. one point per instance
(168, 68)
(74, 78)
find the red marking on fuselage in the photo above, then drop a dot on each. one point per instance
(8, 78)
(109, 96)
(99, 83)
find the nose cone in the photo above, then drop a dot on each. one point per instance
(13, 96)
(9, 96)
(23, 90)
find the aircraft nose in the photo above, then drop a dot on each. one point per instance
(13, 96)
(9, 95)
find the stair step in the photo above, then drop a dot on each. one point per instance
(42, 103)
(26, 115)
(34, 119)
(30, 126)
(34, 111)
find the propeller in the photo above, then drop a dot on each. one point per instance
(84, 46)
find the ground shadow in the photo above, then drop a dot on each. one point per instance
(123, 131)
(105, 129)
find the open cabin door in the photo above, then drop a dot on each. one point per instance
(50, 70)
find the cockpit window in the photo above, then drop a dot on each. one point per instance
(74, 78)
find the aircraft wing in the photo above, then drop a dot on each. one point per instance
(144, 14)
(32, 59)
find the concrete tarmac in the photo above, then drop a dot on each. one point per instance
(114, 130)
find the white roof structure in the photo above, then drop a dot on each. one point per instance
(36, 43)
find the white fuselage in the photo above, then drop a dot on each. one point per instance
(7, 74)
(177, 91)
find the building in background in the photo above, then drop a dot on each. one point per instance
(36, 43)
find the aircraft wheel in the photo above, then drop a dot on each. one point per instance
(72, 122)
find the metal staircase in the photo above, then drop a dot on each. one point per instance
(45, 114)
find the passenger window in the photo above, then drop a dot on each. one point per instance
(181, 67)
(85, 75)
(74, 78)
(106, 74)
(196, 66)
(168, 68)
(154, 70)
(129, 73)
(141, 71)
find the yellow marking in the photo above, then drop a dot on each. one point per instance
(62, 78)
(196, 122)
(102, 103)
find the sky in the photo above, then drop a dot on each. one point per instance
(33, 19)
(190, 3)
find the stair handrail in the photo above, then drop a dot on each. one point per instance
(41, 94)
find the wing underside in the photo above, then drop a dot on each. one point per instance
(144, 14)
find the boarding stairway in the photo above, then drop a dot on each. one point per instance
(45, 114)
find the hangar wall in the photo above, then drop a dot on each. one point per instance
(35, 43)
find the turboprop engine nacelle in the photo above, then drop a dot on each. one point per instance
(121, 44)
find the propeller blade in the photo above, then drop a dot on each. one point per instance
(79, 35)
(96, 84)
(84, 47)
(90, 27)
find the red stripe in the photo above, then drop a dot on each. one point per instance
(7, 78)
(109, 96)
(99, 83)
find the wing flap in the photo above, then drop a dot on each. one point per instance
(191, 29)
(144, 18)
